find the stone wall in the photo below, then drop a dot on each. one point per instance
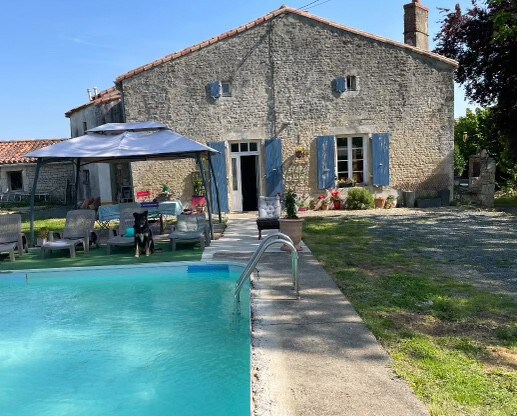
(281, 74)
(52, 180)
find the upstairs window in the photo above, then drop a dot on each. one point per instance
(351, 83)
(226, 89)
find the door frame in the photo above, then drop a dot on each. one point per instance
(236, 195)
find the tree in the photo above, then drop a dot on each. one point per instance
(473, 132)
(484, 42)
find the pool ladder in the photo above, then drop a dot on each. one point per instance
(276, 238)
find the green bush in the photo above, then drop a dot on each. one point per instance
(359, 198)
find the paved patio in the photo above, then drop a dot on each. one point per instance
(312, 356)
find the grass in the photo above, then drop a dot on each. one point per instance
(456, 345)
(506, 201)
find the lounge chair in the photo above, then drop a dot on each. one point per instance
(78, 227)
(269, 214)
(127, 220)
(11, 231)
(189, 228)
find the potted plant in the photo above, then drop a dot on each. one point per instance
(322, 203)
(345, 183)
(198, 191)
(391, 202)
(379, 202)
(291, 225)
(335, 197)
(43, 235)
(301, 152)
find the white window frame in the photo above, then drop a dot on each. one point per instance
(349, 137)
(351, 83)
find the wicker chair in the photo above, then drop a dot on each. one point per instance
(78, 227)
(269, 213)
(190, 228)
(11, 233)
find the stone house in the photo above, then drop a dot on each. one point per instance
(349, 103)
(99, 179)
(17, 171)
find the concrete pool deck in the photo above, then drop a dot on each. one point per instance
(312, 356)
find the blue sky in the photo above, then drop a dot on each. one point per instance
(53, 50)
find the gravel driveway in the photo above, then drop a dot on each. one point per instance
(476, 246)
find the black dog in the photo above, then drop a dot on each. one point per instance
(143, 235)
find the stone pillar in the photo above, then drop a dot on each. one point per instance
(416, 25)
(482, 179)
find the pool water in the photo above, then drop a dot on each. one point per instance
(124, 341)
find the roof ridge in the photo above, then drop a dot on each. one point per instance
(270, 16)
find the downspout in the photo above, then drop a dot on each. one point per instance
(208, 202)
(216, 187)
(33, 195)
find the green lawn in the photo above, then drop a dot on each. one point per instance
(506, 201)
(454, 344)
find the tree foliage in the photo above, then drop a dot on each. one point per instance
(483, 40)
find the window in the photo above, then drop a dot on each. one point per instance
(351, 83)
(351, 162)
(16, 181)
(226, 87)
(244, 147)
(85, 127)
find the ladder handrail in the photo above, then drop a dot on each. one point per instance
(276, 238)
(257, 253)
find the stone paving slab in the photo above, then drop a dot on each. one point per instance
(312, 356)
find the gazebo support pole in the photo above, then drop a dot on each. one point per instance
(216, 187)
(33, 196)
(208, 202)
(77, 171)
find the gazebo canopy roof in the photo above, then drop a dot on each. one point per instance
(124, 141)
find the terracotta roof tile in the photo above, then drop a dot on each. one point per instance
(104, 97)
(272, 15)
(13, 152)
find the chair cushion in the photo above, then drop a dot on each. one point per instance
(269, 207)
(130, 232)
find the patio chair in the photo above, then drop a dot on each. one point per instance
(11, 231)
(127, 221)
(189, 228)
(269, 213)
(78, 227)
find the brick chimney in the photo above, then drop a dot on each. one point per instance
(416, 25)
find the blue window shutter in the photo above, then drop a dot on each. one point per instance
(326, 162)
(339, 85)
(381, 159)
(215, 89)
(274, 170)
(219, 163)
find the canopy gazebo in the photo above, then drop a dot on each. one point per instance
(127, 142)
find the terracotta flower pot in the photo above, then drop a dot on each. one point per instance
(293, 229)
(380, 202)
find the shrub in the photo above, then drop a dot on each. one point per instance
(359, 198)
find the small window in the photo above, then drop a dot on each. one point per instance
(226, 89)
(85, 126)
(244, 147)
(351, 83)
(16, 181)
(253, 147)
(235, 147)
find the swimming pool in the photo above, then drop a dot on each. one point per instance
(153, 340)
